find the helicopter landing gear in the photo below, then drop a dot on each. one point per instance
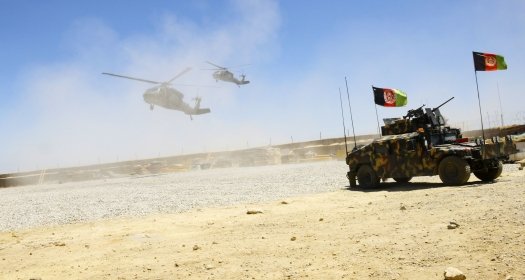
(151, 106)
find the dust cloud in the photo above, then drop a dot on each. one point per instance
(70, 115)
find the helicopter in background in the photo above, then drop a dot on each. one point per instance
(223, 74)
(165, 96)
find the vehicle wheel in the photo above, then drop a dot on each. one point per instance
(490, 174)
(367, 177)
(454, 171)
(403, 179)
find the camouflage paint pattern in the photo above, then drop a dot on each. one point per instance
(409, 155)
(415, 145)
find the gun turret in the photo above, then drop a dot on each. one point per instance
(414, 112)
(426, 118)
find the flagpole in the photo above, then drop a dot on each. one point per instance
(377, 118)
(479, 104)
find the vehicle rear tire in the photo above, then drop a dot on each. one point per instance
(454, 171)
(402, 179)
(367, 177)
(490, 174)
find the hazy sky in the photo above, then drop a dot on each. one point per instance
(58, 110)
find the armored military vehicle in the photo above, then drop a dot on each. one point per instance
(420, 144)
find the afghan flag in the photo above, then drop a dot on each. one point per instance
(389, 97)
(489, 62)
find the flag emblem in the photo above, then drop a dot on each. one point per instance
(490, 61)
(389, 97)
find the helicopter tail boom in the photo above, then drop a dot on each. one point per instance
(197, 110)
(201, 111)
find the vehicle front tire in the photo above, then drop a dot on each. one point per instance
(403, 179)
(490, 174)
(454, 171)
(367, 177)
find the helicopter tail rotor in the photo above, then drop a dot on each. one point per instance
(197, 110)
(197, 102)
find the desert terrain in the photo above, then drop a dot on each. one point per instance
(297, 221)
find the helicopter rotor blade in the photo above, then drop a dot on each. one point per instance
(240, 66)
(132, 78)
(220, 67)
(197, 86)
(180, 74)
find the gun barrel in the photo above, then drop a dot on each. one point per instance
(412, 112)
(433, 110)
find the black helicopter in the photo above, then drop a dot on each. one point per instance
(223, 74)
(168, 97)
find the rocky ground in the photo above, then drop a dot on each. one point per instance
(54, 204)
(400, 231)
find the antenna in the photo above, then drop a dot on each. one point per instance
(351, 117)
(343, 117)
(500, 108)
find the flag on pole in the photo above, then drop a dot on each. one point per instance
(389, 97)
(488, 62)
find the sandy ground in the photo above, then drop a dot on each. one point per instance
(396, 232)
